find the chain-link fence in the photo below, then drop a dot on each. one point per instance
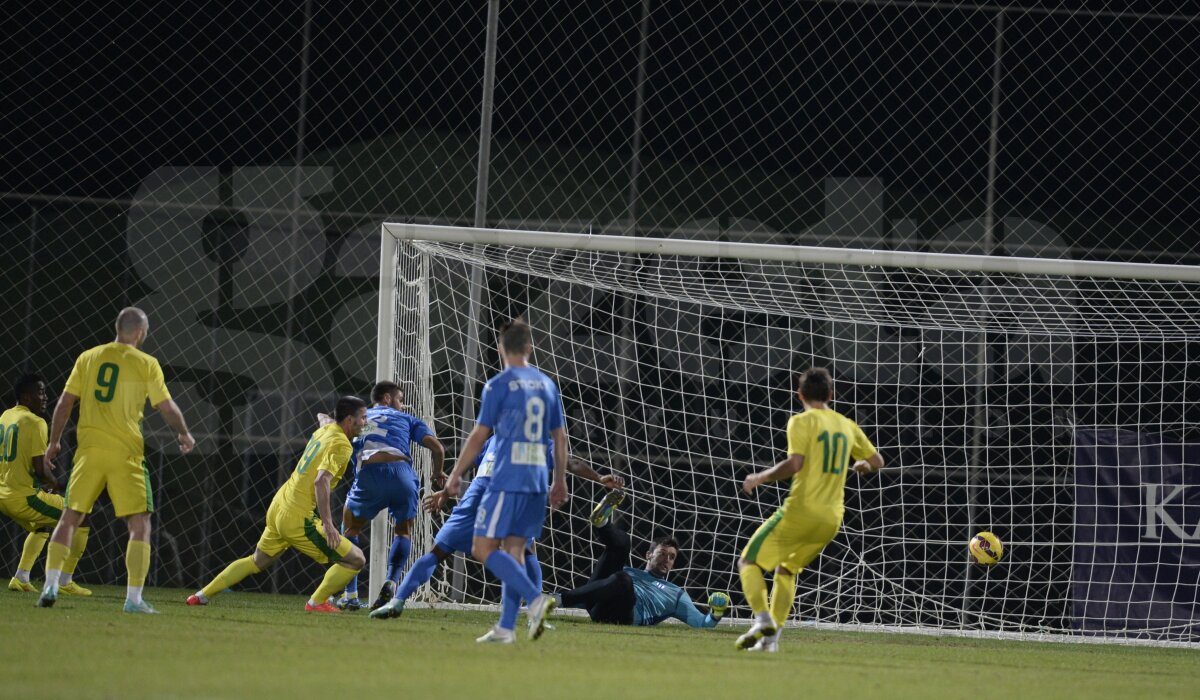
(226, 167)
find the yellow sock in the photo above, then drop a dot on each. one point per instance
(335, 580)
(755, 588)
(78, 542)
(233, 574)
(56, 556)
(137, 562)
(32, 550)
(783, 594)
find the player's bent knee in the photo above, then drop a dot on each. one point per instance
(404, 529)
(139, 526)
(72, 518)
(782, 571)
(515, 547)
(352, 526)
(262, 560)
(482, 549)
(354, 559)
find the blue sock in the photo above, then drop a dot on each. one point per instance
(398, 557)
(352, 587)
(510, 603)
(420, 572)
(505, 568)
(533, 569)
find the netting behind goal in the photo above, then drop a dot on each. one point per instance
(981, 390)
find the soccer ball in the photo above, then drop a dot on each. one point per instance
(986, 548)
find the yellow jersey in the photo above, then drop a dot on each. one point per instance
(22, 437)
(328, 450)
(113, 382)
(827, 440)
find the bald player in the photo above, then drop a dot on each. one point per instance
(111, 383)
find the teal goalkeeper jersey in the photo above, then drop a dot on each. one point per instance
(657, 599)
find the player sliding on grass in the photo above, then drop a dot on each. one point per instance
(619, 594)
(455, 535)
(386, 479)
(292, 523)
(522, 408)
(22, 460)
(111, 382)
(820, 444)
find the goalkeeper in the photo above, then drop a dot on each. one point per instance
(619, 594)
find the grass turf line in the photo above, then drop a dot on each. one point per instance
(257, 645)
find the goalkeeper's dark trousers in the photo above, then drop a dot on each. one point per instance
(608, 595)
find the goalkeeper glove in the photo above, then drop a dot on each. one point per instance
(717, 603)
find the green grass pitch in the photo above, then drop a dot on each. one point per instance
(261, 646)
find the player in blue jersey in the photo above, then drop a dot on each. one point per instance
(386, 479)
(457, 533)
(522, 408)
(619, 594)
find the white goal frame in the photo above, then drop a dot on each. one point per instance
(393, 234)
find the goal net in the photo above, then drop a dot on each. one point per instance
(1049, 402)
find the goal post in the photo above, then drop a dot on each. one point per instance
(1047, 401)
(402, 355)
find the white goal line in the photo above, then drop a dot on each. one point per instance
(949, 262)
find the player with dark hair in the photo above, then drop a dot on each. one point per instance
(522, 408)
(301, 518)
(111, 383)
(620, 594)
(820, 445)
(385, 479)
(22, 465)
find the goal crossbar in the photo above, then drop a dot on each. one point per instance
(955, 262)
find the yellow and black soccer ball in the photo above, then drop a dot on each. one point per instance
(986, 549)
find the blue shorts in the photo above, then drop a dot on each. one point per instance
(391, 485)
(509, 514)
(458, 532)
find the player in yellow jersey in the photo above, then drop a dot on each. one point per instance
(820, 444)
(300, 516)
(22, 464)
(111, 383)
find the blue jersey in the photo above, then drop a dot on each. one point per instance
(522, 407)
(656, 599)
(387, 427)
(486, 461)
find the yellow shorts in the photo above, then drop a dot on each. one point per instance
(288, 529)
(126, 477)
(36, 511)
(791, 541)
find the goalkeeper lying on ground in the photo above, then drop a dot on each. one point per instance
(622, 595)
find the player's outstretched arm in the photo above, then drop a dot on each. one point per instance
(321, 491)
(58, 423)
(686, 611)
(583, 470)
(869, 465)
(174, 417)
(434, 502)
(783, 470)
(466, 458)
(438, 453)
(558, 484)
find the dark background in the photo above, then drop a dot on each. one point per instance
(861, 124)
